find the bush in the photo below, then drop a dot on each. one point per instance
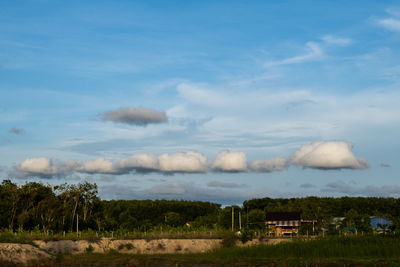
(129, 246)
(246, 236)
(229, 240)
(89, 249)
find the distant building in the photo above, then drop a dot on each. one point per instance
(283, 223)
(380, 224)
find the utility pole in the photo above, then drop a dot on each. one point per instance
(233, 218)
(240, 220)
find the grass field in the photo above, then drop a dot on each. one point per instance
(338, 251)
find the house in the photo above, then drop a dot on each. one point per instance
(283, 223)
(380, 224)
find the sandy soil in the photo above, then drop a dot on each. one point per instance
(137, 246)
(21, 253)
(24, 253)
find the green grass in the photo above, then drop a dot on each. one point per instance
(90, 235)
(348, 251)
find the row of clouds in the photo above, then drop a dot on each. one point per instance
(318, 155)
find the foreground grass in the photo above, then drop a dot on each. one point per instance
(348, 251)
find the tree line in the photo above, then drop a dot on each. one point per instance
(60, 208)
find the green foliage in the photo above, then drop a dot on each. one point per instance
(246, 236)
(229, 239)
(53, 210)
(89, 249)
(129, 246)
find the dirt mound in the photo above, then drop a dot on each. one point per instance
(137, 246)
(21, 253)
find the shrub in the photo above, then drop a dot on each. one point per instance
(229, 240)
(129, 246)
(246, 236)
(89, 249)
(161, 246)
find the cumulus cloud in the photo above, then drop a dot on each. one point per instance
(268, 165)
(139, 163)
(318, 155)
(41, 167)
(15, 130)
(99, 165)
(135, 116)
(227, 161)
(188, 162)
(328, 155)
(183, 162)
(390, 24)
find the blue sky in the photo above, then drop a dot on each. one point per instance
(303, 94)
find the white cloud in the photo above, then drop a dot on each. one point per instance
(99, 165)
(390, 24)
(314, 52)
(140, 163)
(183, 162)
(42, 165)
(227, 161)
(335, 40)
(328, 155)
(319, 155)
(135, 116)
(269, 165)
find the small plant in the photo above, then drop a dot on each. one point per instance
(112, 251)
(121, 246)
(161, 246)
(129, 246)
(89, 249)
(229, 240)
(246, 236)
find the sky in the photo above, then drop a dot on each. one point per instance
(218, 101)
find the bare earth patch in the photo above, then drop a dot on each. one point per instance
(21, 253)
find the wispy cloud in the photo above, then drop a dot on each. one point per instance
(313, 52)
(392, 24)
(307, 185)
(225, 185)
(342, 187)
(335, 40)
